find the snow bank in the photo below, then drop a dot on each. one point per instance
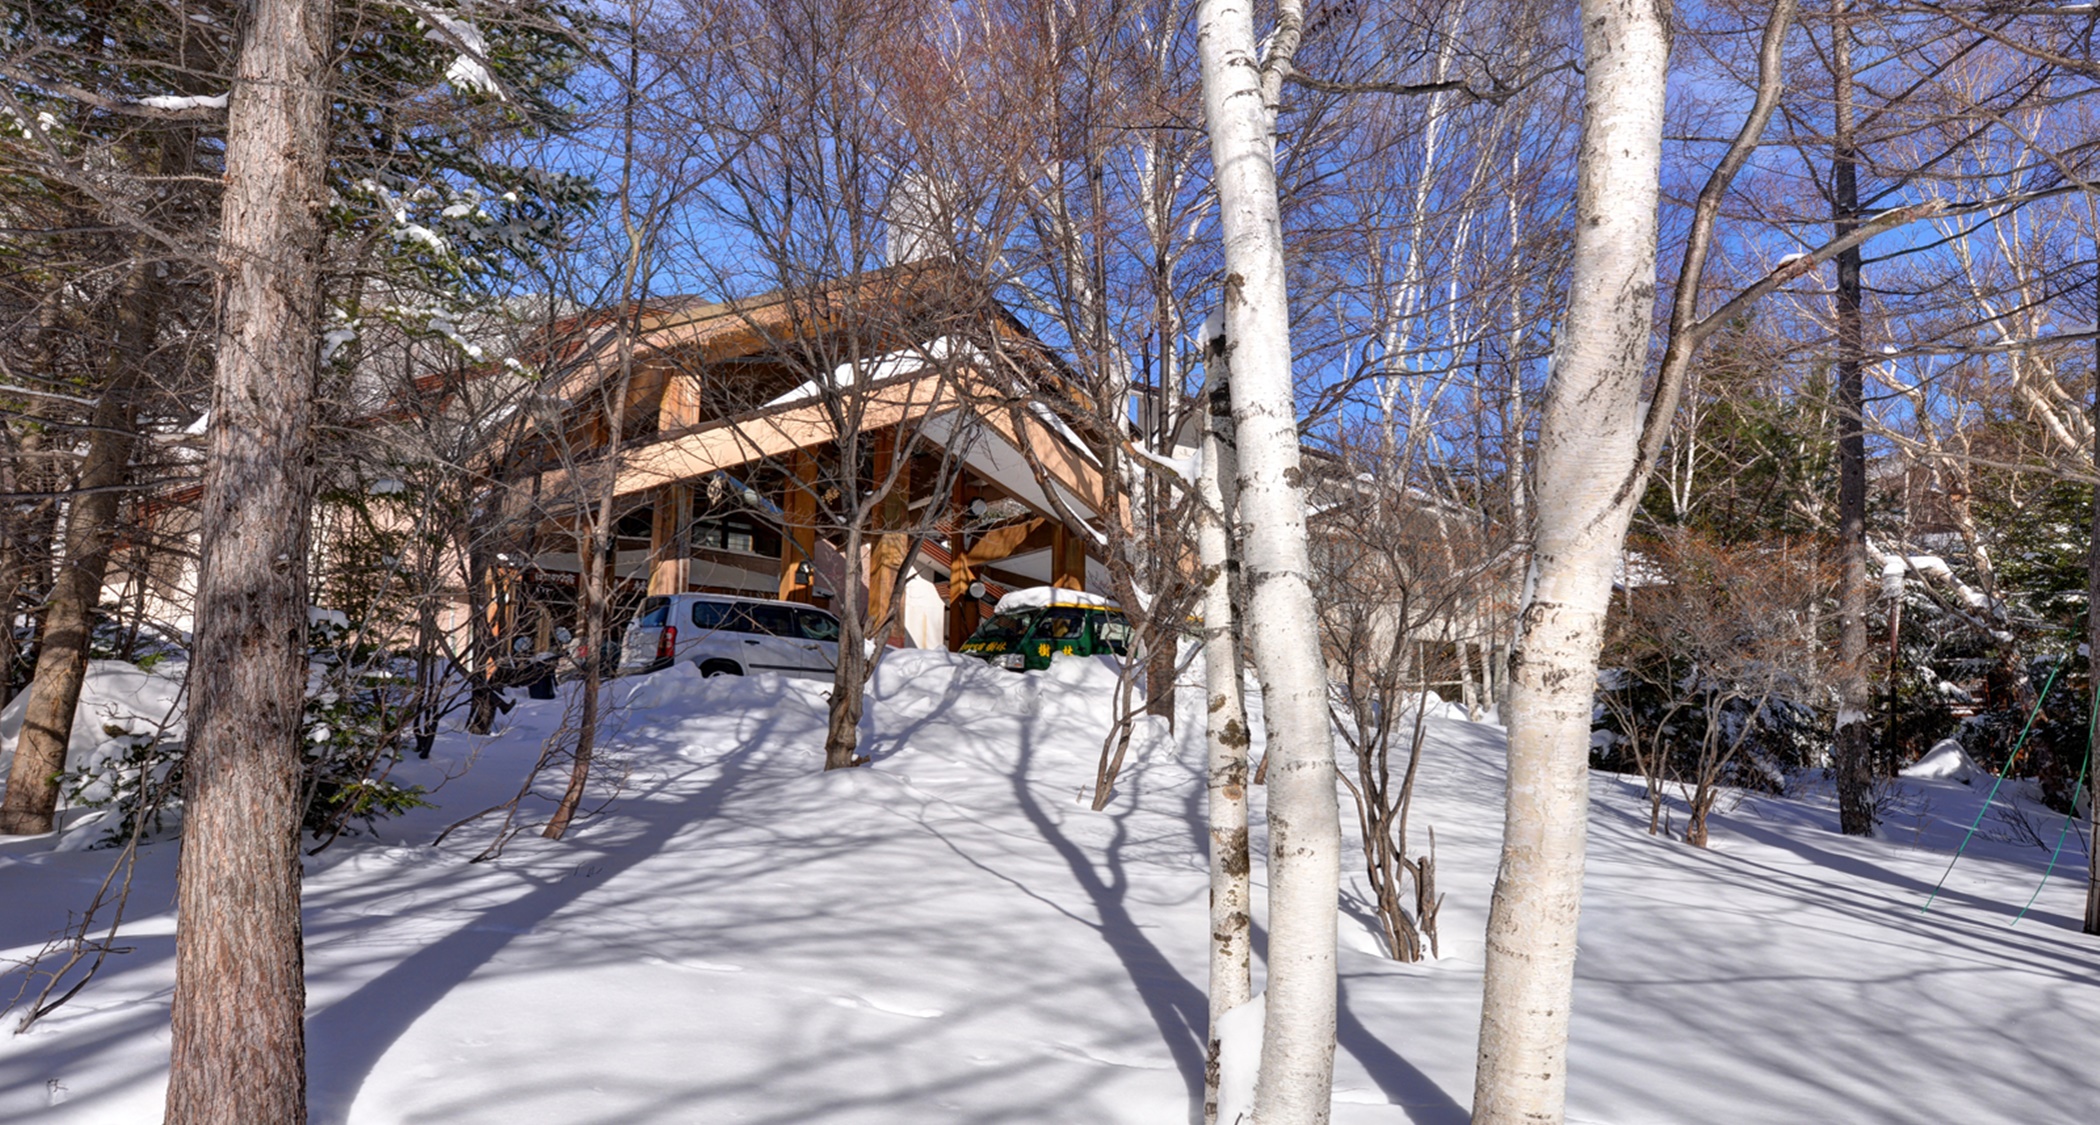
(119, 703)
(1946, 761)
(1239, 1059)
(952, 934)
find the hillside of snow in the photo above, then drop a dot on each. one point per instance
(950, 935)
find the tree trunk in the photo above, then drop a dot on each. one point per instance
(238, 1047)
(591, 585)
(1588, 484)
(1297, 1059)
(482, 693)
(1226, 735)
(1854, 749)
(1160, 666)
(69, 616)
(2092, 636)
(849, 683)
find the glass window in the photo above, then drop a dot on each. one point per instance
(711, 616)
(655, 612)
(817, 626)
(1061, 624)
(777, 620)
(1005, 627)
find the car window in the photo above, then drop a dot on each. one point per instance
(817, 626)
(1005, 627)
(710, 616)
(777, 620)
(655, 612)
(1061, 625)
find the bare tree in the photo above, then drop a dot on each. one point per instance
(1239, 94)
(238, 1051)
(1587, 457)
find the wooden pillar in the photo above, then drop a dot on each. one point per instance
(963, 610)
(888, 554)
(671, 540)
(1067, 559)
(798, 529)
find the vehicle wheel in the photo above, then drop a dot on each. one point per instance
(721, 668)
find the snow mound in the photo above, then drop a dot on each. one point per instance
(1036, 597)
(1946, 761)
(117, 701)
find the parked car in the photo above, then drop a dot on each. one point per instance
(727, 635)
(1031, 626)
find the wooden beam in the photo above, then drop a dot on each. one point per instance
(798, 529)
(1008, 540)
(774, 433)
(962, 608)
(670, 540)
(1067, 560)
(886, 560)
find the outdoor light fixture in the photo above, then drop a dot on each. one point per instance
(977, 508)
(977, 589)
(802, 574)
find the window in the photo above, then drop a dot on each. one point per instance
(655, 613)
(777, 620)
(1061, 624)
(817, 626)
(711, 616)
(727, 535)
(1005, 627)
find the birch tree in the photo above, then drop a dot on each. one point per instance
(1239, 95)
(238, 1050)
(1589, 437)
(1225, 732)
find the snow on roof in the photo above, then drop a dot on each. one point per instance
(1038, 597)
(889, 365)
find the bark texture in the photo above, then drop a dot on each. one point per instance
(61, 666)
(1588, 484)
(1854, 744)
(1297, 1060)
(2092, 636)
(238, 1048)
(1225, 727)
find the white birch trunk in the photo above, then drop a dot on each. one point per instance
(1587, 487)
(1231, 982)
(1297, 1060)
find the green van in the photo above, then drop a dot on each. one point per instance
(1031, 626)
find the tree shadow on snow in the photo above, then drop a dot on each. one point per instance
(346, 1040)
(1403, 1083)
(1178, 1007)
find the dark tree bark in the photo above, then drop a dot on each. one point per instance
(1854, 744)
(483, 695)
(238, 1046)
(2092, 636)
(91, 526)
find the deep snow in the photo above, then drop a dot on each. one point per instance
(950, 935)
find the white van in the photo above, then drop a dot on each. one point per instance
(727, 635)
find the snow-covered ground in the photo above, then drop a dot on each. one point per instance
(950, 935)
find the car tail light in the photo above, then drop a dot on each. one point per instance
(667, 642)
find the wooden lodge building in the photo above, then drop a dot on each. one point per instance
(754, 435)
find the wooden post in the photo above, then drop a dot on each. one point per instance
(1067, 559)
(962, 608)
(888, 554)
(798, 529)
(671, 540)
